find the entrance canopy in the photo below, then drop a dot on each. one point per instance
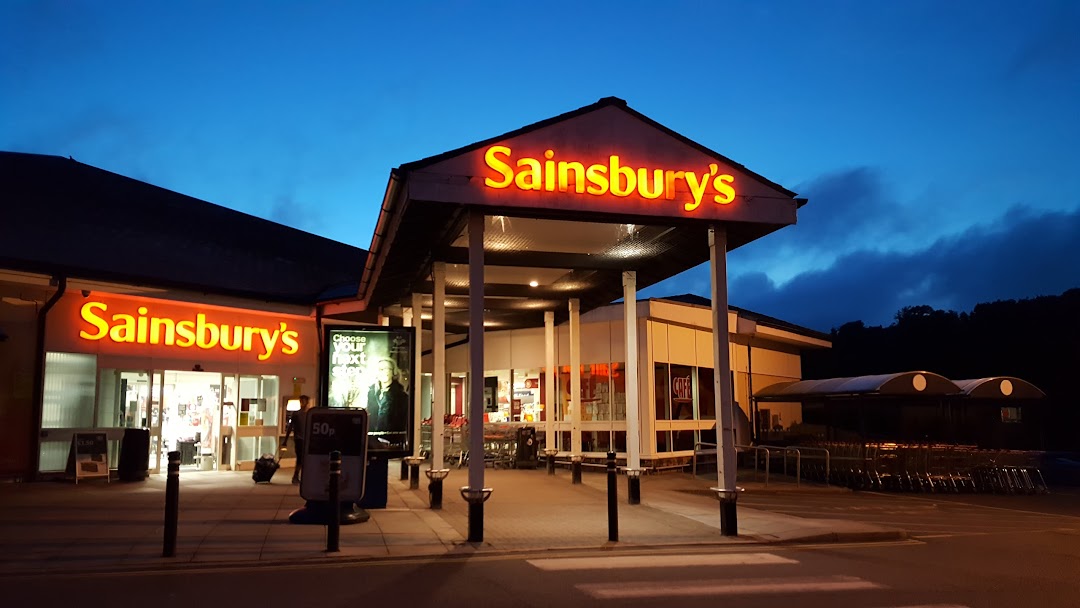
(569, 203)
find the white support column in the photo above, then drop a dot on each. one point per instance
(552, 404)
(438, 373)
(575, 377)
(476, 351)
(725, 418)
(633, 420)
(418, 367)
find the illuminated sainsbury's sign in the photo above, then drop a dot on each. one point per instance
(186, 333)
(611, 177)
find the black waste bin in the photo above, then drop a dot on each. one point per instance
(526, 456)
(134, 461)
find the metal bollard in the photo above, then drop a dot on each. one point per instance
(404, 470)
(435, 485)
(414, 476)
(172, 505)
(550, 460)
(575, 469)
(612, 500)
(729, 520)
(633, 486)
(333, 530)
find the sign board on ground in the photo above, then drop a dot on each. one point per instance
(88, 456)
(327, 430)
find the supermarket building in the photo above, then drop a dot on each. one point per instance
(126, 305)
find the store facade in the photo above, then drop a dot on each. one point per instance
(676, 387)
(211, 382)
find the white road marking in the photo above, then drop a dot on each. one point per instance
(617, 562)
(638, 590)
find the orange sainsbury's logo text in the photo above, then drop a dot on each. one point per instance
(612, 177)
(198, 332)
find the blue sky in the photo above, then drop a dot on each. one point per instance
(937, 141)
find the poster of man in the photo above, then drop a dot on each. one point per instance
(372, 368)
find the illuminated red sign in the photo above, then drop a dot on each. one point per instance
(609, 177)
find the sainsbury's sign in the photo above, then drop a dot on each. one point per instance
(709, 185)
(199, 331)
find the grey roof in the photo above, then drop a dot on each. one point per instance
(899, 384)
(63, 217)
(999, 387)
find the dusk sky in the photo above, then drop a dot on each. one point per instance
(938, 142)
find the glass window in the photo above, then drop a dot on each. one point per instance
(70, 383)
(660, 389)
(706, 394)
(618, 391)
(596, 392)
(683, 440)
(620, 440)
(682, 392)
(663, 441)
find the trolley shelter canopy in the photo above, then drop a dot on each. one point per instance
(569, 202)
(920, 384)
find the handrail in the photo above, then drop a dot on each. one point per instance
(828, 457)
(767, 449)
(768, 458)
(700, 443)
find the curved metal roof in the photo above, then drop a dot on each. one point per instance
(999, 387)
(919, 383)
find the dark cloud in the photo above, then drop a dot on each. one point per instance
(1022, 254)
(847, 209)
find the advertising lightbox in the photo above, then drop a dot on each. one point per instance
(371, 368)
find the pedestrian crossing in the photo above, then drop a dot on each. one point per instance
(718, 586)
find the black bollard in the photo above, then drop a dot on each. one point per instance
(404, 470)
(172, 505)
(729, 520)
(435, 493)
(575, 469)
(633, 487)
(333, 530)
(612, 499)
(476, 521)
(551, 464)
(414, 476)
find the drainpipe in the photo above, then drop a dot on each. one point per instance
(39, 375)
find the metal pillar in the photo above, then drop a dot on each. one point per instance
(476, 493)
(633, 416)
(551, 406)
(418, 367)
(575, 376)
(725, 418)
(438, 374)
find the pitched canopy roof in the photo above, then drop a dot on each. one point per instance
(571, 244)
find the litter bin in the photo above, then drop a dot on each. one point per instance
(527, 454)
(134, 462)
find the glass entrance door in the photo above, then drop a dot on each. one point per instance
(191, 417)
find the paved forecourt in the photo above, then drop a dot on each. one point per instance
(227, 519)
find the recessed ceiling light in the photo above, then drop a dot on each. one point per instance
(533, 283)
